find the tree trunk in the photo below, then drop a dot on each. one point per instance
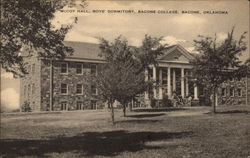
(130, 107)
(112, 113)
(214, 98)
(124, 110)
(1, 90)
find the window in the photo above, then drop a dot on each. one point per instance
(64, 88)
(33, 105)
(93, 104)
(25, 91)
(93, 90)
(33, 69)
(79, 105)
(93, 69)
(223, 92)
(64, 105)
(79, 89)
(29, 69)
(231, 92)
(239, 92)
(237, 79)
(64, 68)
(85, 65)
(28, 90)
(78, 68)
(33, 88)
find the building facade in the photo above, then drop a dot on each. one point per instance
(63, 85)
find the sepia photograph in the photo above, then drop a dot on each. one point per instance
(125, 79)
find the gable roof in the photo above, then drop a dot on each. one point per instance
(84, 50)
(175, 51)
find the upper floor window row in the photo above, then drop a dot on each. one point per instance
(79, 68)
(79, 89)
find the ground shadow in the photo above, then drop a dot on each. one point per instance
(145, 115)
(231, 112)
(159, 110)
(136, 121)
(109, 143)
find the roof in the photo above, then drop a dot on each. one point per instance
(176, 53)
(167, 50)
(91, 51)
(84, 50)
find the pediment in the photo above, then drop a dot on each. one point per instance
(177, 54)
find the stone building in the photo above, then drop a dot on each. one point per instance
(62, 85)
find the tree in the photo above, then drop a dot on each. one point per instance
(27, 23)
(26, 107)
(244, 70)
(122, 77)
(217, 62)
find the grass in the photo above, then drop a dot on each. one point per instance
(186, 132)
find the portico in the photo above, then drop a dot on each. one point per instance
(171, 75)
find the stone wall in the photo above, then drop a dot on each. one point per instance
(71, 79)
(248, 90)
(30, 84)
(235, 99)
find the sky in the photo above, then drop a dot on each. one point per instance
(174, 28)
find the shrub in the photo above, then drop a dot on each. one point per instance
(26, 107)
(205, 100)
(153, 103)
(166, 102)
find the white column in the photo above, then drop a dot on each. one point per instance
(195, 92)
(146, 79)
(174, 81)
(182, 83)
(187, 90)
(169, 83)
(154, 79)
(160, 84)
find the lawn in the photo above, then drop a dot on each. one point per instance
(185, 132)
